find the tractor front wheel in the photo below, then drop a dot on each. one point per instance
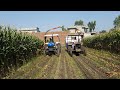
(58, 50)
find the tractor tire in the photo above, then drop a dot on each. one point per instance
(58, 51)
(70, 51)
(44, 52)
(83, 50)
(60, 47)
(77, 54)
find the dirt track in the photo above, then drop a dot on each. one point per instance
(96, 65)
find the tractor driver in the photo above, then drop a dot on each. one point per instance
(51, 40)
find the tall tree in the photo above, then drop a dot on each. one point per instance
(80, 22)
(63, 28)
(103, 31)
(85, 29)
(1, 27)
(76, 22)
(38, 29)
(116, 22)
(92, 26)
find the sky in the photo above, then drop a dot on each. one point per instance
(45, 20)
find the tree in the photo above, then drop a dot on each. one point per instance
(116, 22)
(112, 29)
(1, 27)
(76, 22)
(103, 31)
(85, 29)
(63, 28)
(92, 26)
(80, 22)
(38, 29)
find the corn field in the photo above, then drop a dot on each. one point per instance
(107, 41)
(16, 48)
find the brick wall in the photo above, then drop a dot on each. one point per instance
(62, 35)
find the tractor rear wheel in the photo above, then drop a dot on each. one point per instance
(44, 52)
(58, 51)
(83, 50)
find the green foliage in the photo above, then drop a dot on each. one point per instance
(63, 28)
(116, 22)
(108, 41)
(91, 25)
(38, 29)
(103, 31)
(112, 29)
(16, 48)
(80, 22)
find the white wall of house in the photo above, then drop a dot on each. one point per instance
(72, 30)
(78, 28)
(29, 30)
(75, 29)
(87, 34)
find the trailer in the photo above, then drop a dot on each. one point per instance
(74, 44)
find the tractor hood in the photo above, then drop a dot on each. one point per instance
(51, 44)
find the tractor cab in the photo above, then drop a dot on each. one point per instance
(49, 41)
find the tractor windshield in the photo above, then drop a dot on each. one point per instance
(73, 38)
(52, 38)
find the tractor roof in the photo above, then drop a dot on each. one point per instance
(50, 35)
(75, 34)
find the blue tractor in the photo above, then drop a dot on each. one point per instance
(51, 46)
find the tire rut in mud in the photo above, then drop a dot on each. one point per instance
(46, 71)
(83, 69)
(37, 68)
(88, 69)
(28, 71)
(60, 72)
(110, 58)
(101, 75)
(73, 71)
(105, 63)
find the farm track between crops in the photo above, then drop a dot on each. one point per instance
(96, 65)
(88, 68)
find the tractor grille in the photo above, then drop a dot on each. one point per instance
(78, 46)
(50, 46)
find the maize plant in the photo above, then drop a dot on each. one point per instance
(107, 41)
(16, 48)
